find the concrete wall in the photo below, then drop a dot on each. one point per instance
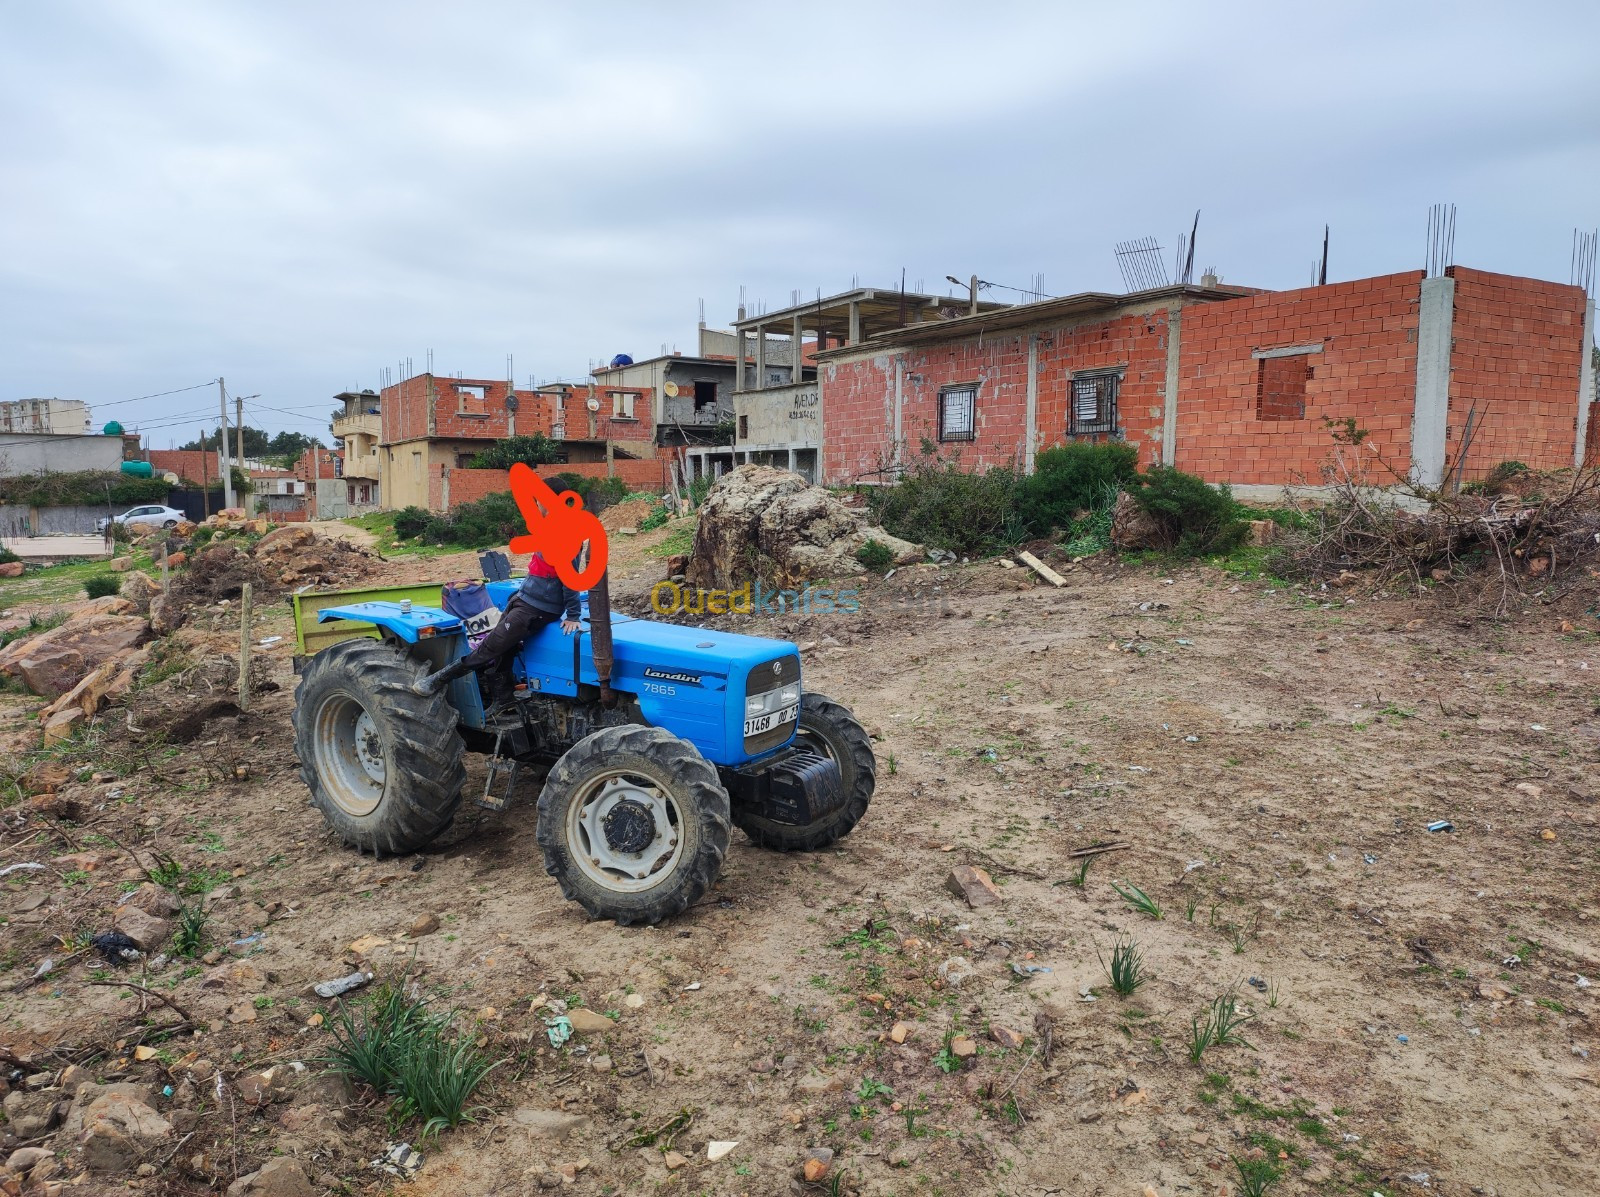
(24, 453)
(781, 416)
(51, 521)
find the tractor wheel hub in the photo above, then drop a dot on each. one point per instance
(629, 826)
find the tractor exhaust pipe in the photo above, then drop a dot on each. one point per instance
(600, 637)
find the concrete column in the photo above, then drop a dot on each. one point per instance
(1585, 385)
(1431, 411)
(898, 415)
(795, 338)
(761, 357)
(855, 322)
(738, 361)
(1031, 434)
(1169, 413)
(791, 461)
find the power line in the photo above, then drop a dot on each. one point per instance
(158, 395)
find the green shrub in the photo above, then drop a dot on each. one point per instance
(876, 556)
(394, 1044)
(939, 504)
(86, 488)
(1197, 519)
(101, 585)
(597, 493)
(410, 521)
(202, 537)
(535, 450)
(7, 557)
(489, 523)
(1496, 479)
(1069, 480)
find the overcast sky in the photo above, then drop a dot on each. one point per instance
(295, 195)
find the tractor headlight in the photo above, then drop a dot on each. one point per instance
(755, 704)
(787, 697)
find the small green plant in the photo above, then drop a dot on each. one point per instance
(102, 585)
(875, 556)
(872, 1087)
(189, 940)
(1081, 877)
(1217, 1026)
(1136, 898)
(945, 1060)
(1189, 907)
(1126, 967)
(394, 1044)
(1256, 1176)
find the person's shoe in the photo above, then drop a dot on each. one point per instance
(433, 683)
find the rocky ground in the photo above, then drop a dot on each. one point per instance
(1272, 759)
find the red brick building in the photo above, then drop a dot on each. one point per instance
(1235, 387)
(431, 424)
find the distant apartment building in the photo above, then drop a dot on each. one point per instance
(58, 417)
(358, 428)
(432, 427)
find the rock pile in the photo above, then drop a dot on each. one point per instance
(762, 522)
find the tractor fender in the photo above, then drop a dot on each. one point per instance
(407, 623)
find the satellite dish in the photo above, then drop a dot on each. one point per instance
(671, 389)
(592, 404)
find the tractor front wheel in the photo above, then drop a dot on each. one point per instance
(634, 824)
(830, 729)
(384, 765)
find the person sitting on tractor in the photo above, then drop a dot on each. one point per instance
(541, 598)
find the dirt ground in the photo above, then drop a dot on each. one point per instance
(1272, 759)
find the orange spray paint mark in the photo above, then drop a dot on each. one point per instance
(557, 527)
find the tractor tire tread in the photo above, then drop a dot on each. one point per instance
(428, 753)
(701, 795)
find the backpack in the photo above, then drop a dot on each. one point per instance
(470, 603)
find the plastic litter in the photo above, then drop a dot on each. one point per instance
(1418, 1178)
(31, 866)
(45, 965)
(1086, 994)
(1537, 727)
(559, 1029)
(116, 947)
(1402, 1038)
(1369, 858)
(1029, 970)
(1189, 643)
(1511, 961)
(166, 1090)
(333, 988)
(1191, 739)
(400, 1159)
(269, 640)
(692, 987)
(1581, 1052)
(1582, 982)
(1441, 825)
(1258, 983)
(249, 941)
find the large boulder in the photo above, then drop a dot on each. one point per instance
(1132, 527)
(139, 588)
(767, 523)
(53, 662)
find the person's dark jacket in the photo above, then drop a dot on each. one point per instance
(544, 591)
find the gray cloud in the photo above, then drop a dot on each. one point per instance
(296, 194)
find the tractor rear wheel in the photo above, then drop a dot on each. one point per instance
(634, 824)
(384, 764)
(831, 730)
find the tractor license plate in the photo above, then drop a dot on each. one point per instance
(757, 724)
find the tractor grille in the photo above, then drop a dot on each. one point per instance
(764, 678)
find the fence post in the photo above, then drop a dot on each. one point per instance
(244, 649)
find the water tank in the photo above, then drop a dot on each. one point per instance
(622, 359)
(112, 429)
(138, 469)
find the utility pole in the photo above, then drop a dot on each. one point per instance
(222, 446)
(974, 286)
(238, 432)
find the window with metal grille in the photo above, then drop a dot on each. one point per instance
(1281, 387)
(957, 412)
(1094, 402)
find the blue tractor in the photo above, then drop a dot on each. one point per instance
(659, 739)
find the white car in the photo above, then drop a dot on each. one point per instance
(167, 517)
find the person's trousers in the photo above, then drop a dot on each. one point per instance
(517, 622)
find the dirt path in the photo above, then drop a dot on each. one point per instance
(1273, 760)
